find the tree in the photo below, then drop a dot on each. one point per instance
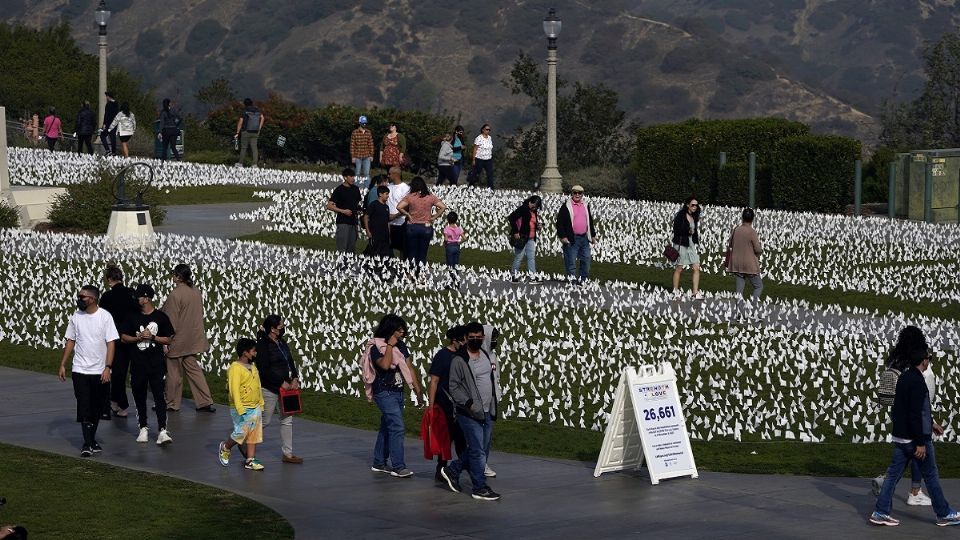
(589, 126)
(933, 119)
(216, 94)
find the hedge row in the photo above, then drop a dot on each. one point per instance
(323, 134)
(795, 170)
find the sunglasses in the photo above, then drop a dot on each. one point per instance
(486, 129)
(694, 205)
(578, 193)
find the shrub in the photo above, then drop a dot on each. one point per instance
(87, 206)
(673, 161)
(599, 181)
(733, 185)
(814, 172)
(9, 217)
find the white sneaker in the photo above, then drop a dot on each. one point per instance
(920, 499)
(144, 435)
(698, 296)
(488, 472)
(164, 438)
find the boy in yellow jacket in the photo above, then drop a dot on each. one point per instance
(246, 399)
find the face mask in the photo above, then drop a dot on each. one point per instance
(281, 332)
(474, 344)
(82, 304)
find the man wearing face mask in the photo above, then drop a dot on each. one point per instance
(439, 390)
(472, 393)
(90, 338)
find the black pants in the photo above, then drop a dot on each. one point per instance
(169, 138)
(445, 172)
(150, 373)
(109, 141)
(118, 376)
(84, 140)
(398, 238)
(51, 142)
(89, 393)
(485, 165)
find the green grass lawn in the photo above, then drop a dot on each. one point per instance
(62, 497)
(658, 277)
(210, 195)
(526, 437)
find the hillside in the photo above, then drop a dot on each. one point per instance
(809, 60)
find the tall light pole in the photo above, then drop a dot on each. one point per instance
(102, 16)
(550, 180)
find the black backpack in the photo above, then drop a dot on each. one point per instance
(252, 121)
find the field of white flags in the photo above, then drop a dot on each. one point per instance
(800, 372)
(906, 260)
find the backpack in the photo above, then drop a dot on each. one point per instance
(253, 119)
(887, 386)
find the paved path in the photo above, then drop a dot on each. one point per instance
(334, 494)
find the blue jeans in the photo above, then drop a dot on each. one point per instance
(453, 254)
(577, 249)
(455, 171)
(477, 436)
(529, 251)
(390, 437)
(903, 454)
(485, 165)
(361, 167)
(418, 241)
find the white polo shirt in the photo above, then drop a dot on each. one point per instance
(397, 193)
(91, 332)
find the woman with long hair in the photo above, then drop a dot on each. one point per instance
(524, 222)
(686, 238)
(393, 148)
(388, 356)
(126, 124)
(278, 370)
(422, 208)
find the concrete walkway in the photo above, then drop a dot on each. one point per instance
(335, 495)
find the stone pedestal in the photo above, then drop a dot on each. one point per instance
(131, 228)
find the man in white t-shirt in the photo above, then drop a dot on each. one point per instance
(90, 337)
(398, 222)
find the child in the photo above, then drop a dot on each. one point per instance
(453, 234)
(243, 380)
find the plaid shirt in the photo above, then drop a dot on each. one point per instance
(361, 144)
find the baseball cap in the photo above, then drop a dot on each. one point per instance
(363, 120)
(144, 289)
(576, 188)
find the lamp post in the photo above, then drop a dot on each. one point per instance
(102, 16)
(550, 180)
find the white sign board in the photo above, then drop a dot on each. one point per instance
(647, 421)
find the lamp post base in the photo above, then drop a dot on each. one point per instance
(551, 181)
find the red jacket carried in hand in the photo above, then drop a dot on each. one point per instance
(435, 435)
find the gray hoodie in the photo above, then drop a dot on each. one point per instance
(464, 392)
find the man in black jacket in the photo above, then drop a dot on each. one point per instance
(120, 302)
(108, 137)
(86, 125)
(913, 427)
(576, 228)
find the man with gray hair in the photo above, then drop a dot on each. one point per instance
(346, 201)
(90, 338)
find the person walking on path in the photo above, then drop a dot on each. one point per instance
(398, 221)
(472, 391)
(121, 304)
(438, 391)
(90, 339)
(52, 129)
(457, 145)
(246, 407)
(345, 201)
(386, 366)
(278, 370)
(169, 130)
(361, 148)
(184, 306)
(422, 208)
(147, 332)
(124, 125)
(85, 126)
(453, 236)
(446, 161)
(686, 238)
(483, 156)
(744, 262)
(523, 223)
(913, 430)
(393, 148)
(576, 228)
(108, 132)
(249, 126)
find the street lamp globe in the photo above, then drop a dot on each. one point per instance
(551, 24)
(102, 16)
